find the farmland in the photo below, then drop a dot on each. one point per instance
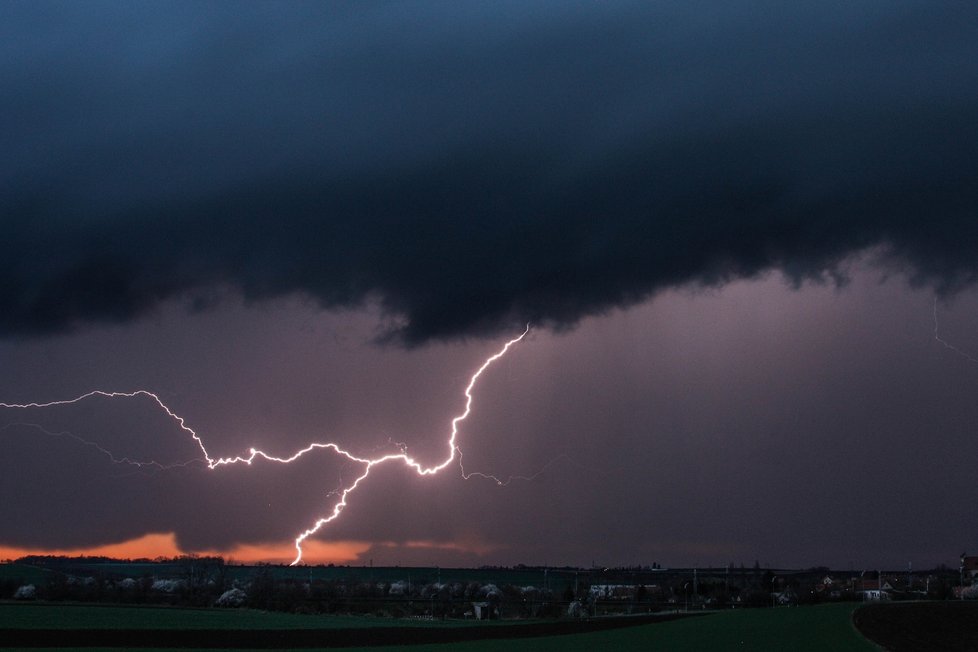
(950, 626)
(79, 616)
(170, 604)
(800, 629)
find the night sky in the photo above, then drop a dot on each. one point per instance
(745, 236)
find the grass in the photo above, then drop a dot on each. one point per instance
(77, 616)
(24, 573)
(799, 629)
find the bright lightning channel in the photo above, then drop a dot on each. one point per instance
(368, 463)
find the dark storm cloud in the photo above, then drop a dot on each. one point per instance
(472, 166)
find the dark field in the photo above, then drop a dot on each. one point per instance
(24, 573)
(58, 626)
(921, 626)
(897, 627)
(798, 629)
(38, 616)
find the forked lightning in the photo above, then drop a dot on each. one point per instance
(368, 463)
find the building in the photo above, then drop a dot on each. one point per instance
(969, 566)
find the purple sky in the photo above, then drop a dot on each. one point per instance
(304, 222)
(797, 427)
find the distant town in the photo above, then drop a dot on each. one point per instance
(466, 593)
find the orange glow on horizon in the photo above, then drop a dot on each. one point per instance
(149, 546)
(314, 552)
(164, 544)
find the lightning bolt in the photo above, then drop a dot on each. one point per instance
(253, 453)
(511, 478)
(66, 434)
(947, 344)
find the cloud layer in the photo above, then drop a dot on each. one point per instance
(471, 167)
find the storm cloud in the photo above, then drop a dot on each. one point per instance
(469, 167)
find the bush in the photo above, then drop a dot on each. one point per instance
(26, 592)
(232, 598)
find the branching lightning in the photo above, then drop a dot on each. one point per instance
(343, 494)
(503, 483)
(947, 344)
(127, 461)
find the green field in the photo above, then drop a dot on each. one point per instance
(797, 629)
(24, 573)
(14, 615)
